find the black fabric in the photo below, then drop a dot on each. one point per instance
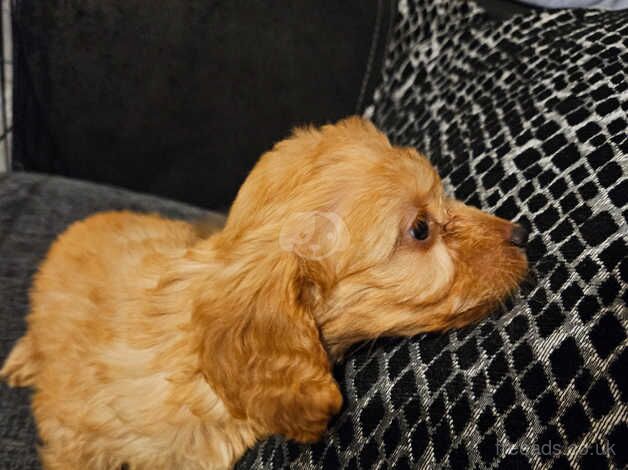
(34, 209)
(503, 9)
(180, 98)
(526, 118)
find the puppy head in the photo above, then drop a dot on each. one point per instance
(336, 231)
(381, 249)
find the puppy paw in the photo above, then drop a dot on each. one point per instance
(20, 368)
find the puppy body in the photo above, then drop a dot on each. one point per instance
(112, 356)
(151, 346)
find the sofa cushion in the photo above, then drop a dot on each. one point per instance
(180, 97)
(34, 209)
(525, 118)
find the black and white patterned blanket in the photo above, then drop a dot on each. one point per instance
(526, 118)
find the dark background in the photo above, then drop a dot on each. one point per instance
(180, 97)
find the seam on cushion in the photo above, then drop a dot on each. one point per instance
(371, 57)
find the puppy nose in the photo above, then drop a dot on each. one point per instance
(518, 236)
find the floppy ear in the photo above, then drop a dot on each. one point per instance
(260, 349)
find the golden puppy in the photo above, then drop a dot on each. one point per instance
(150, 346)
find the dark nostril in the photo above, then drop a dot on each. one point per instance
(518, 236)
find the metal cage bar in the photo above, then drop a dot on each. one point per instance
(6, 85)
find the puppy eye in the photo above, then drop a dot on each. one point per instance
(420, 230)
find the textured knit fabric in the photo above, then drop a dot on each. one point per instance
(34, 209)
(525, 118)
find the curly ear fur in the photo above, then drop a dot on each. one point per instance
(260, 349)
